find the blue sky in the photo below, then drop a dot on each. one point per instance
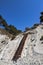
(21, 13)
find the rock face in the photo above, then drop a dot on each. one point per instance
(25, 49)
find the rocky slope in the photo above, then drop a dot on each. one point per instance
(25, 49)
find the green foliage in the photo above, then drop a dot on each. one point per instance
(14, 30)
(10, 28)
(35, 25)
(3, 22)
(26, 29)
(41, 17)
(1, 18)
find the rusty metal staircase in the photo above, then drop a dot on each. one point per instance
(20, 48)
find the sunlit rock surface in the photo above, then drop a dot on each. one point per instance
(31, 53)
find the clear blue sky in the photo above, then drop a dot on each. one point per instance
(21, 13)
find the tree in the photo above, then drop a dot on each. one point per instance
(14, 30)
(10, 28)
(27, 28)
(3, 22)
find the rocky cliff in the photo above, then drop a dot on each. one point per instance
(25, 49)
